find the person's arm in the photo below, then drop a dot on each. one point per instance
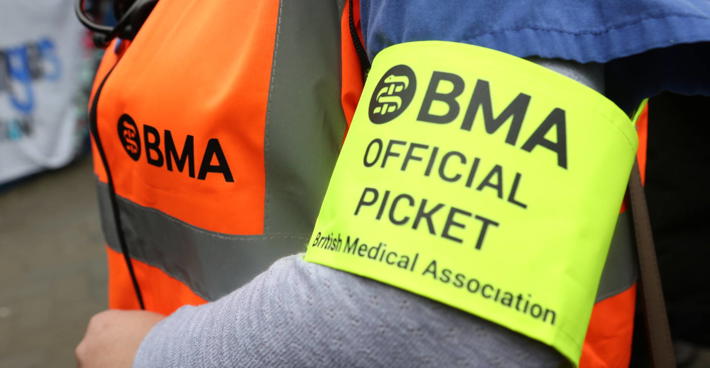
(300, 314)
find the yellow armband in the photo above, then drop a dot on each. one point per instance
(482, 181)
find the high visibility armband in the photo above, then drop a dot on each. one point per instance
(482, 181)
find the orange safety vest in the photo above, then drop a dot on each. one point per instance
(213, 146)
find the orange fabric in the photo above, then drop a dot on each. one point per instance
(195, 94)
(161, 293)
(642, 130)
(608, 341)
(212, 84)
(351, 71)
(203, 96)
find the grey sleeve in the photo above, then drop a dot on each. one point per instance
(299, 314)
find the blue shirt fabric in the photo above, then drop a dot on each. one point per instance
(579, 30)
(601, 31)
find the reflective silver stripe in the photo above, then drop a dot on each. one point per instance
(304, 130)
(620, 270)
(176, 247)
(305, 123)
(211, 264)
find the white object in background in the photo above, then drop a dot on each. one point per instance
(41, 55)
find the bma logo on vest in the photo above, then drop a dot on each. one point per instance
(396, 89)
(167, 154)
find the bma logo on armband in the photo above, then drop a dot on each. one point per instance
(441, 106)
(167, 154)
(392, 94)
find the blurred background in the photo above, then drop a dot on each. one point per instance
(52, 266)
(52, 262)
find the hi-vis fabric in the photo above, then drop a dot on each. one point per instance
(483, 181)
(41, 57)
(220, 124)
